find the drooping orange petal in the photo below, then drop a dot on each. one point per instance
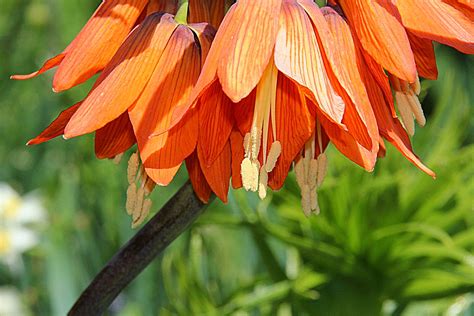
(294, 126)
(124, 79)
(439, 22)
(390, 127)
(345, 65)
(424, 56)
(382, 35)
(209, 70)
(215, 122)
(200, 185)
(168, 6)
(243, 113)
(97, 42)
(218, 174)
(170, 148)
(467, 3)
(382, 79)
(162, 177)
(347, 145)
(205, 34)
(168, 87)
(114, 138)
(298, 56)
(50, 63)
(251, 34)
(237, 150)
(56, 128)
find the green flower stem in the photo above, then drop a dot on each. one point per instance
(182, 15)
(172, 220)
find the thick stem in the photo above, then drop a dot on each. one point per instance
(174, 218)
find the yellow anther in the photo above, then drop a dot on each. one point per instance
(322, 168)
(132, 169)
(273, 155)
(131, 197)
(250, 172)
(306, 199)
(313, 174)
(417, 110)
(263, 183)
(314, 202)
(405, 111)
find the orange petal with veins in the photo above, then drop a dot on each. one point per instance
(294, 126)
(56, 128)
(218, 174)
(440, 22)
(200, 185)
(237, 150)
(390, 127)
(125, 77)
(346, 76)
(50, 63)
(114, 138)
(249, 42)
(97, 42)
(215, 122)
(169, 86)
(298, 56)
(424, 56)
(382, 35)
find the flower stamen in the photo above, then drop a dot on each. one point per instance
(254, 175)
(138, 204)
(310, 173)
(409, 106)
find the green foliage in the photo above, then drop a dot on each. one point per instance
(384, 240)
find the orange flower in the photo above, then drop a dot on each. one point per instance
(281, 80)
(262, 60)
(355, 73)
(398, 37)
(104, 33)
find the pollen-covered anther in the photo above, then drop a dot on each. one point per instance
(314, 202)
(306, 200)
(117, 159)
(131, 197)
(310, 173)
(322, 168)
(273, 155)
(140, 187)
(263, 183)
(132, 170)
(409, 106)
(250, 173)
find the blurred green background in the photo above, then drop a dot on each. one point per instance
(391, 242)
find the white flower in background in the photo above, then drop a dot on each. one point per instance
(19, 220)
(11, 304)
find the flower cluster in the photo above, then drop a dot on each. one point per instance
(242, 92)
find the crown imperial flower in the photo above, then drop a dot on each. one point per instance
(268, 91)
